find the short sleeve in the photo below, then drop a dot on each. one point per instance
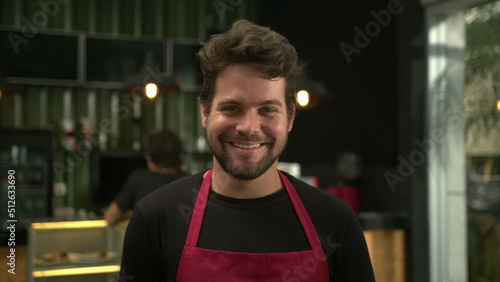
(126, 196)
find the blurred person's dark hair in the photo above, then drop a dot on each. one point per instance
(165, 149)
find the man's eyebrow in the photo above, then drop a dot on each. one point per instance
(271, 102)
(236, 102)
(228, 102)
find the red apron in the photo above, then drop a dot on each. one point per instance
(198, 264)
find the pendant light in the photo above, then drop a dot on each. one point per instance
(147, 84)
(310, 93)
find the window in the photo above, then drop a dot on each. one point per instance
(482, 140)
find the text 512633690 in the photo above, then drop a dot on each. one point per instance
(11, 220)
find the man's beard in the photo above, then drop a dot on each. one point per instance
(247, 171)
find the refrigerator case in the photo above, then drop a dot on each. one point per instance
(27, 155)
(86, 250)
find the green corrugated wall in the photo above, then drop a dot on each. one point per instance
(42, 106)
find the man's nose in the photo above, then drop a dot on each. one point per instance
(249, 123)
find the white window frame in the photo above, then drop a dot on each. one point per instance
(446, 177)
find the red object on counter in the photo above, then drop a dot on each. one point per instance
(315, 180)
(350, 194)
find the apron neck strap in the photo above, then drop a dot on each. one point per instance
(202, 199)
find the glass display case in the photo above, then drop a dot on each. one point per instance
(87, 250)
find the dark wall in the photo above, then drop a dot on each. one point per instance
(362, 112)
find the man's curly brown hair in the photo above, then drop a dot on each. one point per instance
(254, 45)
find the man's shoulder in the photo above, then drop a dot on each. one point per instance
(139, 173)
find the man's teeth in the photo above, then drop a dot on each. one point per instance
(245, 146)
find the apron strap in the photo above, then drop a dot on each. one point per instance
(199, 210)
(202, 199)
(301, 212)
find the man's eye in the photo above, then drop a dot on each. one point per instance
(268, 110)
(230, 109)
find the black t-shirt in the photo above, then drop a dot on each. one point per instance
(158, 228)
(140, 183)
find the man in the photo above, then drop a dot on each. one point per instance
(163, 159)
(243, 220)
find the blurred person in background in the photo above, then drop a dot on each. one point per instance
(164, 165)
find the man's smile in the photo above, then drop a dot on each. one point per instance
(247, 146)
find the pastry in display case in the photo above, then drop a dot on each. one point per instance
(87, 250)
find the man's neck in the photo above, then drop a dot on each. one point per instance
(229, 186)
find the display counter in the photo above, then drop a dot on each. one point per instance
(90, 250)
(386, 238)
(85, 250)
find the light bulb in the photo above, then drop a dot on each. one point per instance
(498, 105)
(151, 90)
(303, 98)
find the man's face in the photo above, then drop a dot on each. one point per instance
(247, 126)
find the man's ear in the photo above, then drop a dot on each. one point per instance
(291, 119)
(204, 116)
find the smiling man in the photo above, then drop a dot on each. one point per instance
(247, 128)
(243, 220)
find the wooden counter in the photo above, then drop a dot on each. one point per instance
(385, 235)
(21, 262)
